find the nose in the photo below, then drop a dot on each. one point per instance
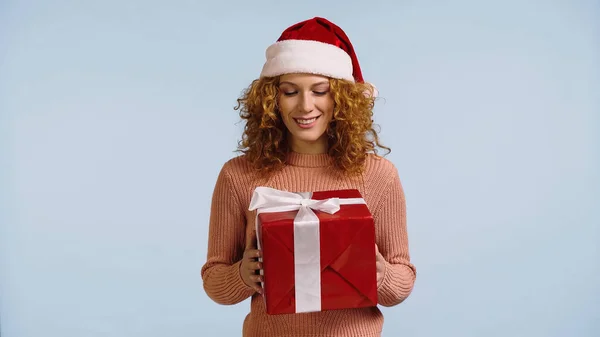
(307, 103)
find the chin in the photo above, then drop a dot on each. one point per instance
(309, 136)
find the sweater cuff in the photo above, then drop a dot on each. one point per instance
(226, 285)
(398, 282)
(237, 283)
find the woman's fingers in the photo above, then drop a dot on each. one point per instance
(256, 280)
(254, 265)
(251, 257)
(252, 254)
(251, 269)
(255, 283)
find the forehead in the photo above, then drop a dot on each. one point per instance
(303, 79)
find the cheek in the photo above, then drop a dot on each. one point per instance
(284, 107)
(327, 108)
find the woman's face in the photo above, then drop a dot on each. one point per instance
(306, 107)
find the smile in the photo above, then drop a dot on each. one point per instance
(306, 122)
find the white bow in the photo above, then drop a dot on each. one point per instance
(270, 200)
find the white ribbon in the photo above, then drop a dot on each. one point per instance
(307, 254)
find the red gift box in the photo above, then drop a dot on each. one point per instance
(318, 250)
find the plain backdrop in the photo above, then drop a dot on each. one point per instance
(116, 116)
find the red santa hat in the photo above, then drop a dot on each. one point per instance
(315, 46)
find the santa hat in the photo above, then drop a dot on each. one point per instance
(315, 46)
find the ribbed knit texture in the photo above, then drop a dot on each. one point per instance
(230, 221)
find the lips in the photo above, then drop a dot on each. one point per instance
(306, 120)
(306, 123)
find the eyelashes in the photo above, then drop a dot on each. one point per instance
(318, 93)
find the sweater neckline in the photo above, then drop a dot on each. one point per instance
(309, 160)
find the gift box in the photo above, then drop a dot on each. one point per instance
(318, 250)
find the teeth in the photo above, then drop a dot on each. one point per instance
(306, 121)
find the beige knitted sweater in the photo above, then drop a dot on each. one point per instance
(230, 220)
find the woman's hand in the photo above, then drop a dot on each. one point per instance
(250, 267)
(380, 266)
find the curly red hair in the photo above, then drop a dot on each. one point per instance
(351, 133)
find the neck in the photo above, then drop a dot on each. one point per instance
(303, 147)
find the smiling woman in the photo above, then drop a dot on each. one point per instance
(309, 129)
(279, 111)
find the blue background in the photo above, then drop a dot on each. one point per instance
(116, 116)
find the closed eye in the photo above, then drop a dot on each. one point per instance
(292, 93)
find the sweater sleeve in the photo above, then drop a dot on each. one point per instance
(392, 240)
(226, 243)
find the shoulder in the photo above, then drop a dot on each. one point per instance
(239, 173)
(379, 168)
(235, 170)
(236, 165)
(380, 176)
(382, 181)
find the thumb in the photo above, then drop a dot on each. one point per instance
(251, 239)
(377, 252)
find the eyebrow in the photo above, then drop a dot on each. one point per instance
(295, 85)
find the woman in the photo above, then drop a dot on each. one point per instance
(308, 128)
